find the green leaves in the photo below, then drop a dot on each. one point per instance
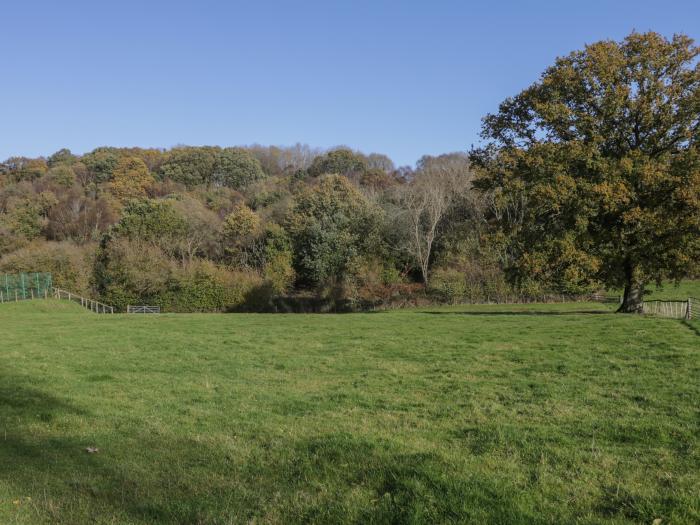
(231, 167)
(150, 220)
(332, 224)
(341, 161)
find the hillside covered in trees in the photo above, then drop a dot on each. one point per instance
(589, 178)
(254, 228)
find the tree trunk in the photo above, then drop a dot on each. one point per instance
(424, 274)
(632, 298)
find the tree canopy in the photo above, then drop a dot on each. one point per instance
(231, 167)
(597, 166)
(331, 226)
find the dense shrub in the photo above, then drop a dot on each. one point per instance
(131, 272)
(204, 287)
(138, 272)
(69, 264)
(450, 285)
(278, 269)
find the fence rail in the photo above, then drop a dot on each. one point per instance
(605, 298)
(142, 309)
(90, 304)
(676, 309)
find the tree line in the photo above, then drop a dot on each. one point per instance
(587, 179)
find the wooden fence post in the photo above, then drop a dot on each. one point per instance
(689, 309)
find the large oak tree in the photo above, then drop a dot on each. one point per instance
(601, 158)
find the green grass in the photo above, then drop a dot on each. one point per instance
(513, 414)
(680, 291)
(668, 291)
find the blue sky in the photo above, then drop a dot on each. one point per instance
(402, 78)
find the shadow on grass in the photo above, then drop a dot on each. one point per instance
(330, 478)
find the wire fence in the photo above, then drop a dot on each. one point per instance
(21, 286)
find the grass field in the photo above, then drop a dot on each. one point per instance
(668, 291)
(513, 414)
(671, 291)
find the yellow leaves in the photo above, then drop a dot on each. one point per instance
(652, 174)
(633, 215)
(565, 183)
(613, 194)
(241, 222)
(626, 166)
(131, 179)
(535, 263)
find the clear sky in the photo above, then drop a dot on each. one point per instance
(403, 78)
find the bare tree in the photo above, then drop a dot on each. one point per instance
(427, 199)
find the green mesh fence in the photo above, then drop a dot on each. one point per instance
(17, 287)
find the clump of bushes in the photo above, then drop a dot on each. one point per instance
(69, 264)
(206, 287)
(133, 272)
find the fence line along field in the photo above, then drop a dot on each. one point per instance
(556, 413)
(676, 309)
(22, 286)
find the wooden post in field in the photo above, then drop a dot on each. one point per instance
(689, 309)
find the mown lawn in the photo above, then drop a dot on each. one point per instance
(512, 414)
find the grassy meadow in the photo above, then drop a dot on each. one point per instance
(682, 290)
(527, 414)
